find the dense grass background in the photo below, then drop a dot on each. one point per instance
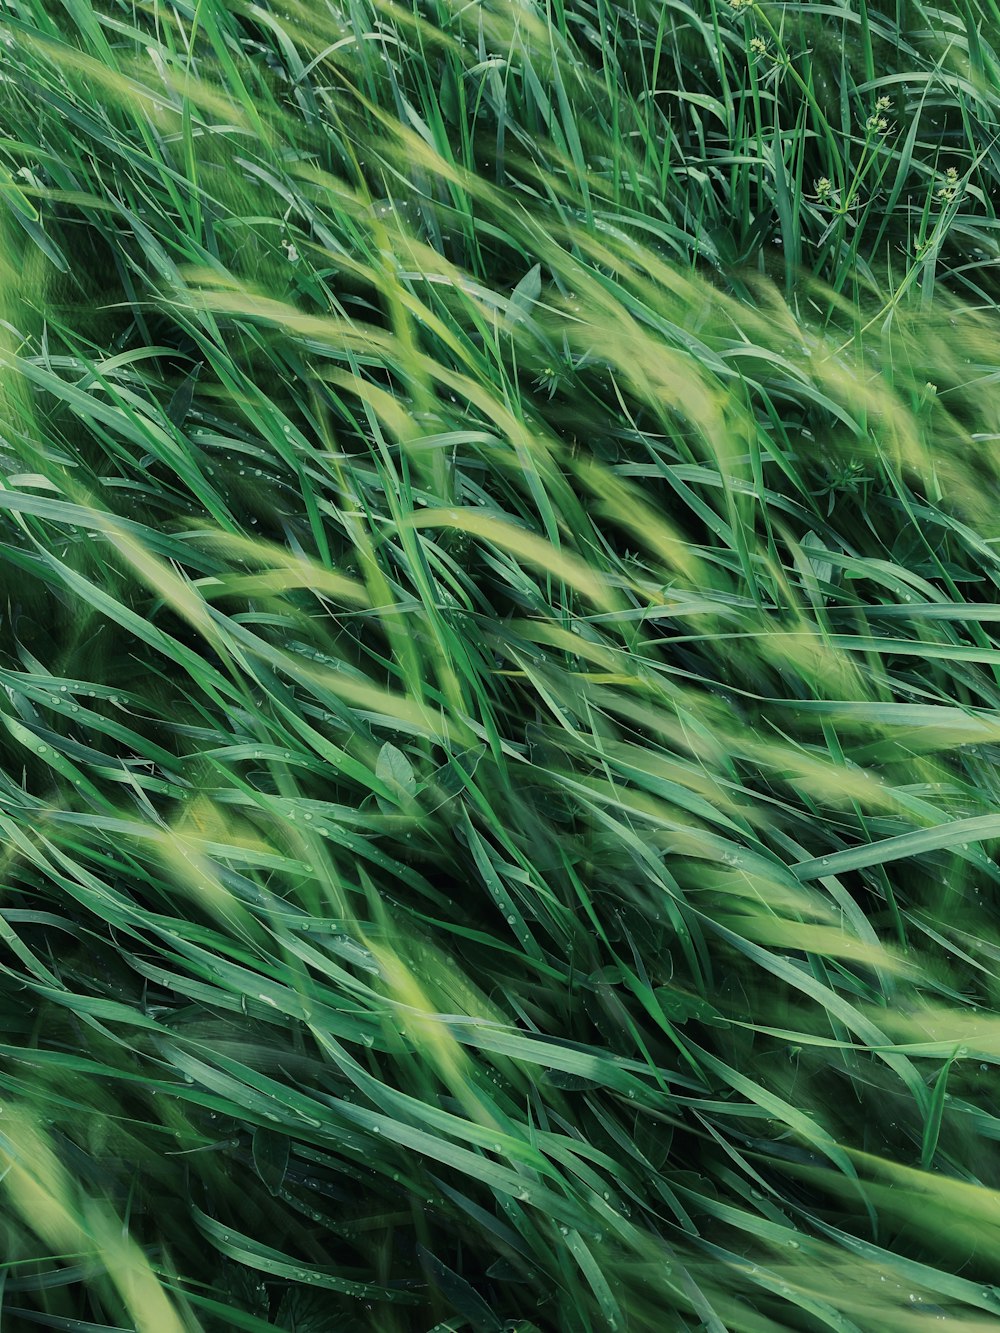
(498, 786)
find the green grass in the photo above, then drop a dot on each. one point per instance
(500, 674)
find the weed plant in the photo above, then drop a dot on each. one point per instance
(499, 660)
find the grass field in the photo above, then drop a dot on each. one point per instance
(500, 663)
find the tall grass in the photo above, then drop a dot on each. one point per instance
(498, 542)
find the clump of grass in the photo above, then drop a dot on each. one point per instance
(499, 676)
